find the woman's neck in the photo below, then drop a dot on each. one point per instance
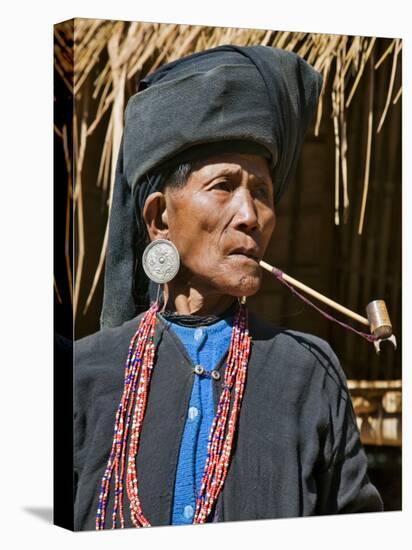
(190, 301)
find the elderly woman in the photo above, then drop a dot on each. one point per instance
(189, 409)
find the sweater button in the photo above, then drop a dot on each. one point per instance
(199, 370)
(198, 334)
(215, 374)
(192, 413)
(188, 511)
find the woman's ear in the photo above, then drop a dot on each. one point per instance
(155, 216)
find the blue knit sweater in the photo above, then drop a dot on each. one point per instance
(205, 346)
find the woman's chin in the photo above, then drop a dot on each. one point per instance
(246, 285)
(243, 281)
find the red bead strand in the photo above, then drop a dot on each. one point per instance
(219, 451)
(116, 461)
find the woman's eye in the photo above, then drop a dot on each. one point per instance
(262, 193)
(224, 185)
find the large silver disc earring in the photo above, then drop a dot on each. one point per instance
(161, 261)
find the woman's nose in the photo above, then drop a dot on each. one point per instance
(246, 217)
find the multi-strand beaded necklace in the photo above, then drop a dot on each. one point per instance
(129, 421)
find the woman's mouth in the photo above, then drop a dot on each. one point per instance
(248, 253)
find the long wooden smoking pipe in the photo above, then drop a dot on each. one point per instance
(377, 315)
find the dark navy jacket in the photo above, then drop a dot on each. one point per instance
(297, 450)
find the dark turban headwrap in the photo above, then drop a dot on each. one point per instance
(248, 99)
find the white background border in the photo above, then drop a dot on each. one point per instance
(26, 235)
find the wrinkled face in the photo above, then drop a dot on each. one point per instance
(221, 222)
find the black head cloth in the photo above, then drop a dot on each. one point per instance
(256, 99)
